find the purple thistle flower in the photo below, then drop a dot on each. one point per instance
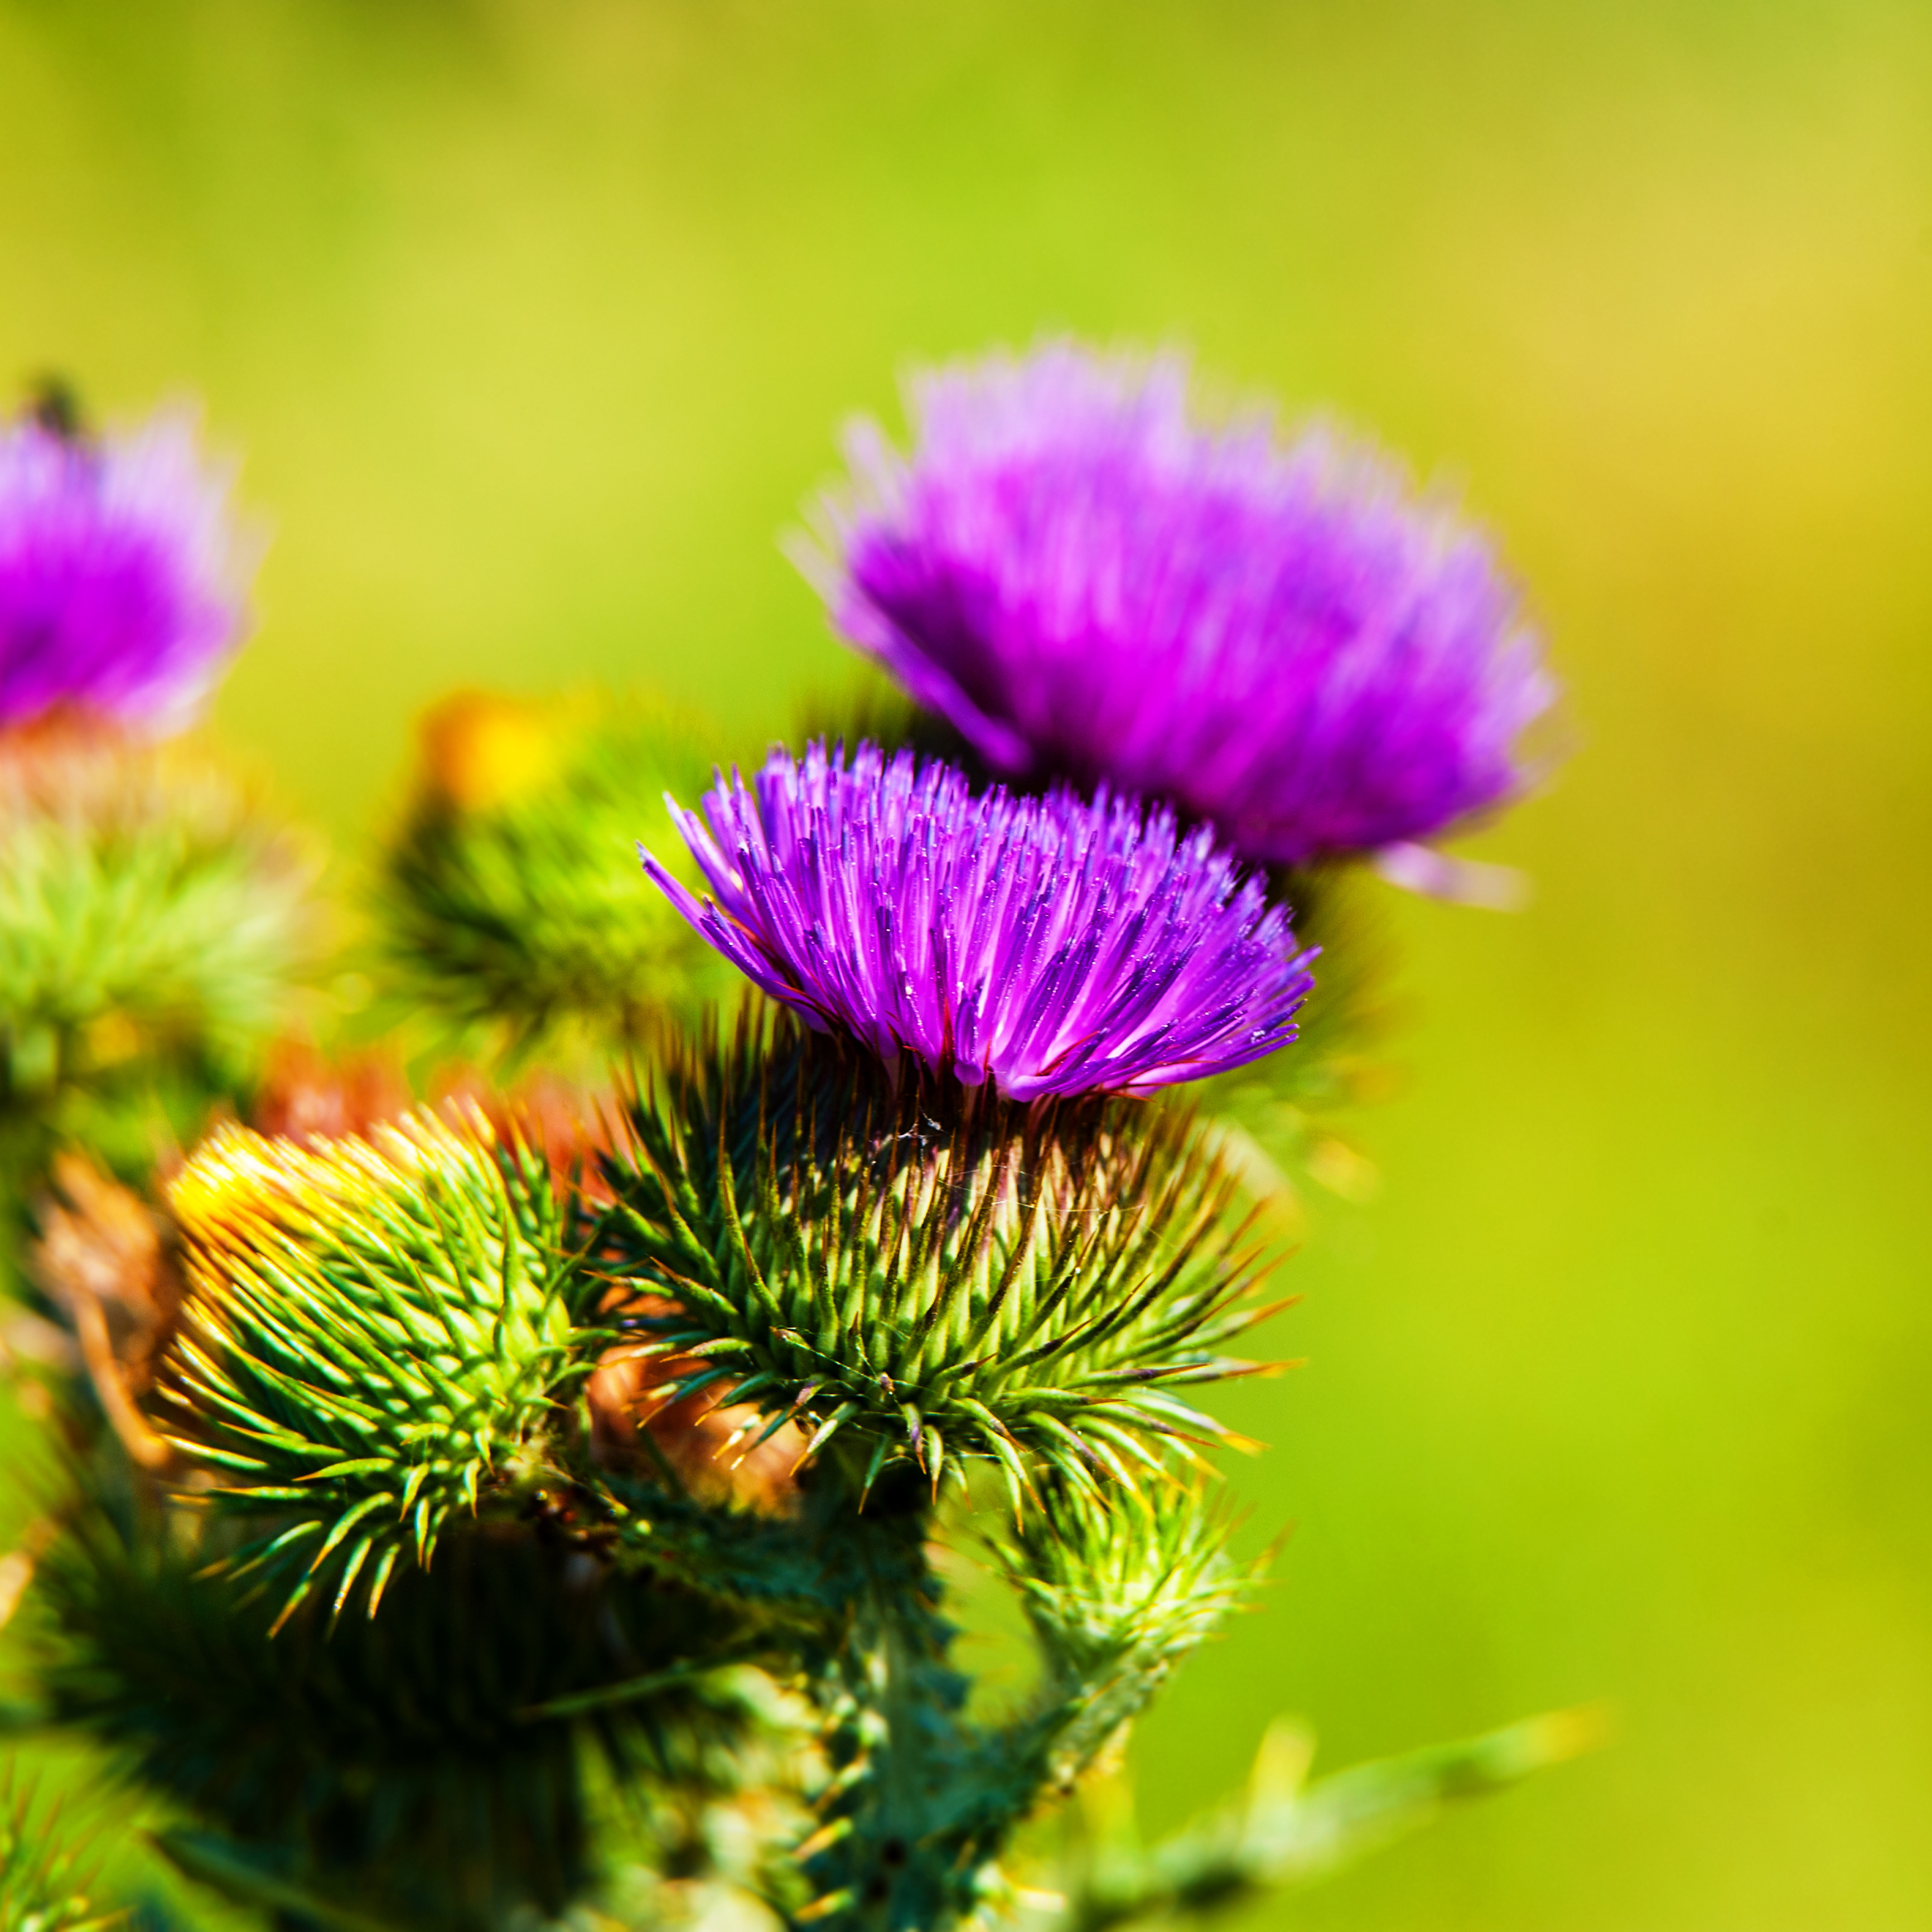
(1042, 944)
(1087, 585)
(119, 574)
(1052, 946)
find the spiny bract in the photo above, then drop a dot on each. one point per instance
(40, 1879)
(926, 1268)
(375, 1327)
(1143, 1573)
(409, 1765)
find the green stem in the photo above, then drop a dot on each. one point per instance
(1283, 1838)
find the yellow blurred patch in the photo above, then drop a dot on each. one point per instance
(480, 750)
(239, 1182)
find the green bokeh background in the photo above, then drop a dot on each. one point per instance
(535, 321)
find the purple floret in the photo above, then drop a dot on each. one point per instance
(1087, 585)
(1052, 946)
(119, 590)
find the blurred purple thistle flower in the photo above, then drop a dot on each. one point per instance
(1052, 946)
(1087, 585)
(121, 591)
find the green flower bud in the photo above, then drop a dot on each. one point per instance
(375, 1328)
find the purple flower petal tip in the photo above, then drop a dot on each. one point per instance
(1050, 946)
(120, 575)
(1088, 584)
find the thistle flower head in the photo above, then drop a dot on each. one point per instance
(122, 576)
(1049, 947)
(375, 1327)
(1087, 584)
(928, 1270)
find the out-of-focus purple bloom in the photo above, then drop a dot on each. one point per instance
(1050, 946)
(1087, 584)
(120, 574)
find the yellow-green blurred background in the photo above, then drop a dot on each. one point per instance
(535, 321)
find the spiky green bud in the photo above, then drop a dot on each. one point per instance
(511, 899)
(924, 1269)
(151, 920)
(1118, 1587)
(1143, 1574)
(375, 1328)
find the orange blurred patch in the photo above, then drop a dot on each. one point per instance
(480, 750)
(102, 1259)
(711, 1444)
(308, 1097)
(569, 1125)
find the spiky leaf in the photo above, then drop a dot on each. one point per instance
(413, 1766)
(1288, 1832)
